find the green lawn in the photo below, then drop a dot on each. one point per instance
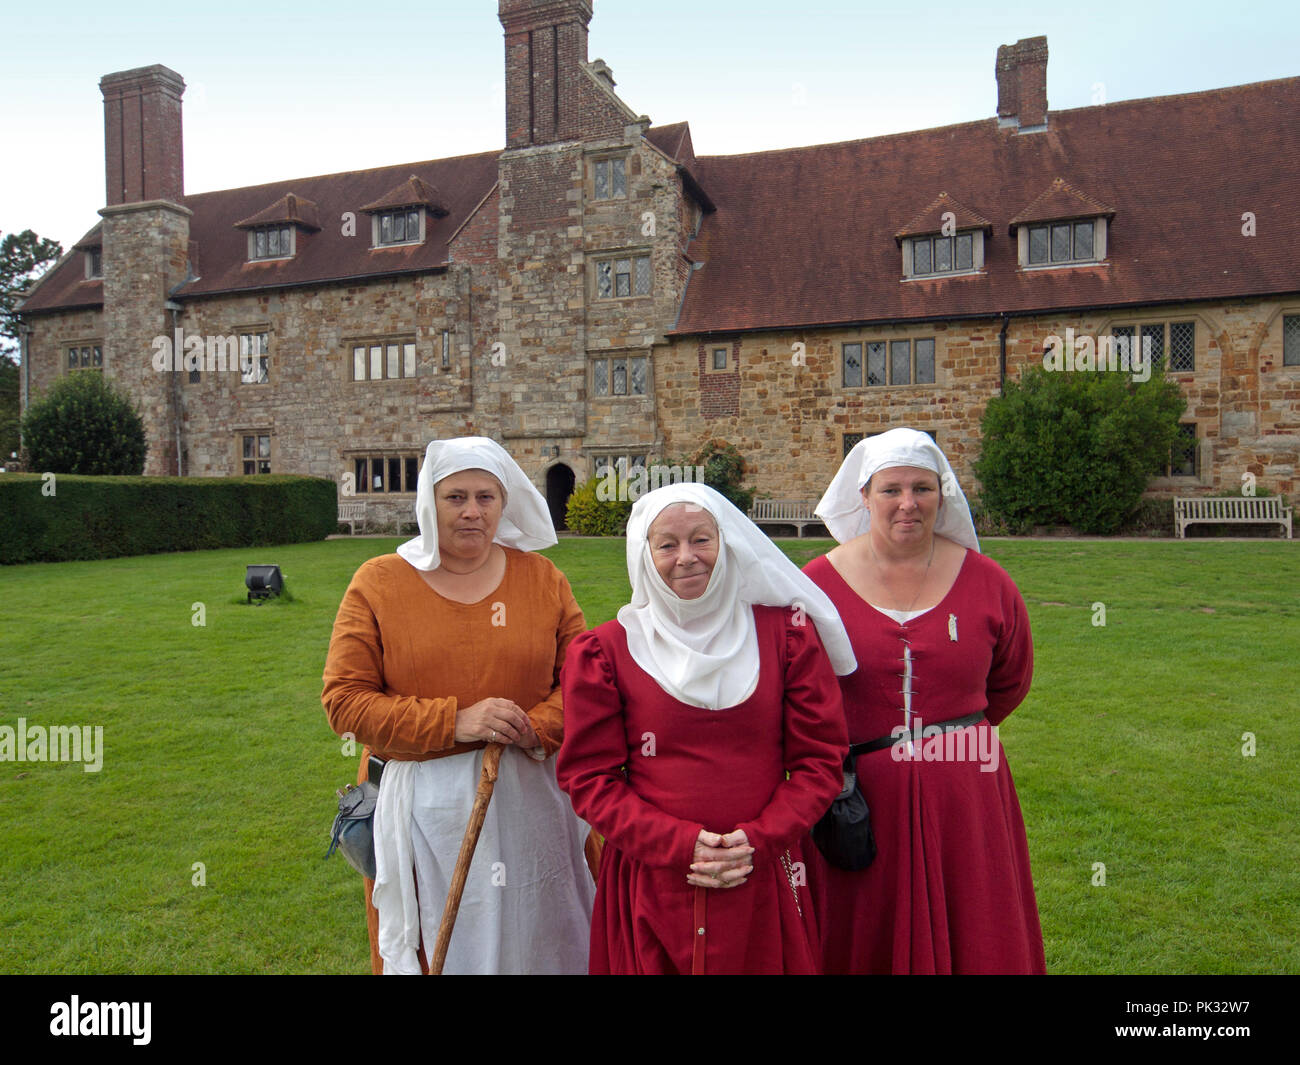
(1128, 752)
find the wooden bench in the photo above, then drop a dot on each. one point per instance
(353, 511)
(783, 512)
(1236, 510)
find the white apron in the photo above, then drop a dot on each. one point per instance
(528, 898)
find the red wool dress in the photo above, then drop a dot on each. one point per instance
(648, 772)
(950, 890)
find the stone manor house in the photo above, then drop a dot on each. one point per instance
(596, 290)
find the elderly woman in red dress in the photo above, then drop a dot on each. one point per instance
(942, 640)
(703, 738)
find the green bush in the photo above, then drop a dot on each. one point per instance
(724, 470)
(84, 424)
(1151, 517)
(55, 517)
(589, 515)
(1075, 448)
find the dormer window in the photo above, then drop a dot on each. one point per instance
(274, 231)
(401, 226)
(943, 255)
(1061, 227)
(403, 214)
(1062, 242)
(270, 242)
(94, 264)
(944, 239)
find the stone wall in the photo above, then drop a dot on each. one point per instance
(792, 411)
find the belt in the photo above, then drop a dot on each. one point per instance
(881, 742)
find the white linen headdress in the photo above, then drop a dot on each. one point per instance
(705, 651)
(842, 511)
(525, 519)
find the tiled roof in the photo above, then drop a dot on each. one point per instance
(287, 209)
(1060, 201)
(931, 219)
(410, 193)
(804, 237)
(674, 141)
(328, 255)
(64, 286)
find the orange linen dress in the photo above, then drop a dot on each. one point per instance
(403, 659)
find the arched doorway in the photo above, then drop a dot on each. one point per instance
(559, 486)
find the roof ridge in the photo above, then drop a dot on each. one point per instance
(342, 173)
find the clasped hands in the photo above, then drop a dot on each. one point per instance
(498, 721)
(721, 861)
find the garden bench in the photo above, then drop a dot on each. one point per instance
(783, 512)
(1244, 510)
(353, 511)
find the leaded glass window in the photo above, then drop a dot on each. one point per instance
(853, 365)
(942, 255)
(399, 227)
(965, 251)
(1124, 336)
(1061, 243)
(1037, 245)
(1083, 234)
(921, 261)
(1291, 340)
(1182, 346)
(256, 454)
(609, 179)
(900, 358)
(254, 362)
(876, 362)
(925, 362)
(600, 378)
(1153, 342)
(1183, 453)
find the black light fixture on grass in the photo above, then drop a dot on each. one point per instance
(263, 582)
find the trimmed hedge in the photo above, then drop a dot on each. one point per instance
(105, 517)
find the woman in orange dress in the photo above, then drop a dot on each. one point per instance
(455, 642)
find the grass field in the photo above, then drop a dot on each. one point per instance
(1128, 752)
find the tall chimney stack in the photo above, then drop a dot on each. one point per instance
(1021, 71)
(546, 44)
(142, 135)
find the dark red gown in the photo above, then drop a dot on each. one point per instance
(950, 890)
(648, 772)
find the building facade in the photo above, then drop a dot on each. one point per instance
(595, 290)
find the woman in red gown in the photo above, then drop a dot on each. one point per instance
(942, 640)
(703, 738)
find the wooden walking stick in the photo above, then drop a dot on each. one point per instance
(486, 782)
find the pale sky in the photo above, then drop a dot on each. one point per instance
(277, 91)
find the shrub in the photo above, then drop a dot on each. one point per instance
(1075, 448)
(589, 515)
(84, 424)
(724, 470)
(54, 517)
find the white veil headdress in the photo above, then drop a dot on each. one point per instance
(525, 519)
(845, 515)
(704, 651)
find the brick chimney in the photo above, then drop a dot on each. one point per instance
(142, 135)
(146, 239)
(1021, 71)
(546, 46)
